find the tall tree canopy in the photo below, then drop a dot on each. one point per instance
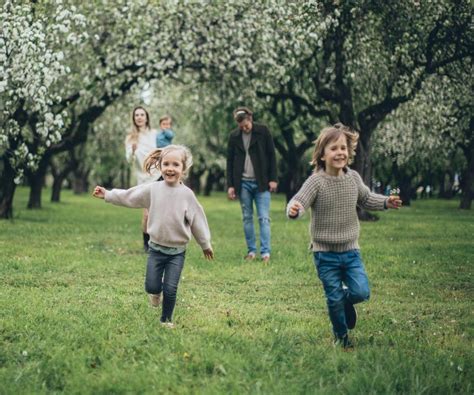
(304, 63)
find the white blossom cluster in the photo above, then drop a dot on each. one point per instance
(424, 130)
(31, 63)
(262, 49)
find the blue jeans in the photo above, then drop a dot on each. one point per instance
(248, 194)
(334, 269)
(162, 274)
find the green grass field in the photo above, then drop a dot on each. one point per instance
(75, 318)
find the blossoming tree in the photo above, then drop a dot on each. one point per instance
(95, 62)
(354, 62)
(29, 68)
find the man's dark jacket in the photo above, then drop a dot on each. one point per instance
(262, 155)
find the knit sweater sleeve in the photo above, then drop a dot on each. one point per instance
(198, 222)
(306, 195)
(136, 197)
(367, 199)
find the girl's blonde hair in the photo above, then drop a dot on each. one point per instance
(132, 136)
(329, 134)
(153, 161)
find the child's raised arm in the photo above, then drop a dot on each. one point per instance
(99, 192)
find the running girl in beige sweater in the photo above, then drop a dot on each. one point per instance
(174, 215)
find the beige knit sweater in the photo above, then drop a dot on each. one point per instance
(333, 200)
(174, 212)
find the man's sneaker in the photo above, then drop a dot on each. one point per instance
(343, 342)
(266, 258)
(154, 299)
(250, 256)
(168, 325)
(351, 315)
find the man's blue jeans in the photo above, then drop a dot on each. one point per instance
(248, 194)
(162, 274)
(334, 270)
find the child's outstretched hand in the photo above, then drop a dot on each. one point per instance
(295, 209)
(208, 254)
(99, 192)
(394, 202)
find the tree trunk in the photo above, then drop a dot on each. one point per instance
(36, 181)
(80, 183)
(404, 183)
(292, 175)
(57, 186)
(7, 190)
(194, 178)
(363, 166)
(125, 176)
(214, 175)
(467, 179)
(60, 174)
(406, 190)
(210, 181)
(446, 182)
(292, 180)
(194, 182)
(442, 186)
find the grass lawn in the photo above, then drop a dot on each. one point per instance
(75, 318)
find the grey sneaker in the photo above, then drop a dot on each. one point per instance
(351, 315)
(154, 299)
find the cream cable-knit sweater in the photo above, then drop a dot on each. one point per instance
(174, 212)
(333, 200)
(146, 144)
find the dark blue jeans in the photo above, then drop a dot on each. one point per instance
(162, 275)
(334, 270)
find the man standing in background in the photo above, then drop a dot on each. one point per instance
(252, 175)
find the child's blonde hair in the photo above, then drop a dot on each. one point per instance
(153, 161)
(330, 134)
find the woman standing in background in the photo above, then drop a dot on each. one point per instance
(140, 141)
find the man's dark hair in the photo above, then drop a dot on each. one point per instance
(241, 113)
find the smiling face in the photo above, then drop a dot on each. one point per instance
(335, 156)
(165, 124)
(246, 125)
(140, 118)
(172, 167)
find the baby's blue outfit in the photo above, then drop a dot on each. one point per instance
(164, 138)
